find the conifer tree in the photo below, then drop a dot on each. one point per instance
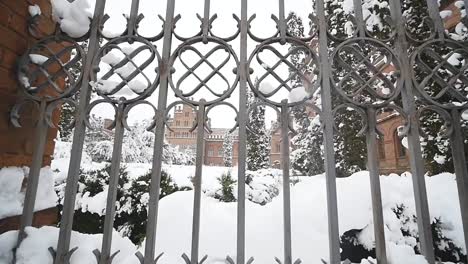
(258, 138)
(307, 156)
(227, 149)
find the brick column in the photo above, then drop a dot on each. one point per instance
(17, 144)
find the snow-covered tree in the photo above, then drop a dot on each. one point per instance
(436, 149)
(227, 149)
(307, 156)
(137, 145)
(258, 138)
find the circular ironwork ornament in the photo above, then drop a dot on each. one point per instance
(126, 69)
(366, 72)
(309, 72)
(440, 73)
(45, 70)
(203, 59)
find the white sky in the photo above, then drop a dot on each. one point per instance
(225, 25)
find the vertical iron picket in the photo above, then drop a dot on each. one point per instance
(198, 182)
(415, 155)
(242, 148)
(460, 166)
(327, 120)
(243, 73)
(286, 183)
(373, 167)
(34, 172)
(372, 159)
(63, 253)
(105, 256)
(164, 70)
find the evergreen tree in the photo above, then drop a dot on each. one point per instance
(67, 111)
(258, 138)
(436, 149)
(307, 157)
(227, 149)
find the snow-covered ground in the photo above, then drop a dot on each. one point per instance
(264, 236)
(12, 190)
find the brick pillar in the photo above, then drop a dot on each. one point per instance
(17, 144)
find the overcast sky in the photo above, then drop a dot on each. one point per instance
(225, 25)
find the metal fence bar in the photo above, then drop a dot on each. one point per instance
(433, 9)
(416, 162)
(372, 160)
(164, 70)
(361, 27)
(198, 182)
(327, 119)
(242, 119)
(105, 257)
(373, 167)
(34, 173)
(461, 172)
(63, 253)
(286, 182)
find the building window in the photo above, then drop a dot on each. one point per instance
(220, 152)
(278, 147)
(186, 123)
(186, 114)
(210, 153)
(399, 148)
(381, 147)
(177, 123)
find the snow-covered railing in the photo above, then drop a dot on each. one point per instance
(366, 73)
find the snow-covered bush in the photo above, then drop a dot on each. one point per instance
(132, 221)
(262, 185)
(131, 204)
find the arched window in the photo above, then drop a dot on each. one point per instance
(400, 150)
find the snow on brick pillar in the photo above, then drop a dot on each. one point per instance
(17, 144)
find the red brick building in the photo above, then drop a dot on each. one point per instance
(179, 135)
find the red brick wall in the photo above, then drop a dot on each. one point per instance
(17, 144)
(392, 162)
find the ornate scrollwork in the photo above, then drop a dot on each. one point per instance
(446, 128)
(309, 73)
(125, 67)
(45, 70)
(181, 85)
(231, 106)
(440, 73)
(352, 107)
(173, 105)
(366, 72)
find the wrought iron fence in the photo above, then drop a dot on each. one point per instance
(329, 69)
